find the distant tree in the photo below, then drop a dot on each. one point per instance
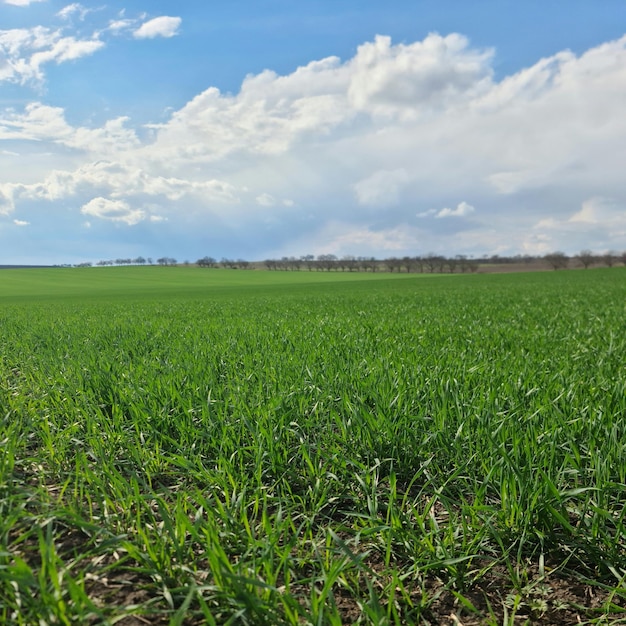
(349, 262)
(408, 263)
(393, 264)
(417, 262)
(374, 264)
(610, 258)
(326, 261)
(308, 260)
(586, 258)
(139, 260)
(166, 260)
(558, 260)
(432, 261)
(290, 263)
(451, 264)
(367, 263)
(464, 263)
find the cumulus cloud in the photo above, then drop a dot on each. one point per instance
(123, 180)
(6, 199)
(342, 238)
(271, 113)
(360, 147)
(25, 51)
(266, 199)
(21, 3)
(599, 210)
(113, 210)
(39, 122)
(599, 224)
(381, 188)
(462, 210)
(70, 10)
(406, 80)
(120, 24)
(164, 26)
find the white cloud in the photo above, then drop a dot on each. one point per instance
(73, 9)
(598, 210)
(66, 49)
(428, 213)
(40, 122)
(7, 203)
(110, 189)
(381, 188)
(408, 80)
(21, 3)
(25, 51)
(122, 24)
(594, 212)
(600, 224)
(266, 199)
(164, 26)
(113, 210)
(360, 147)
(342, 238)
(462, 210)
(21, 223)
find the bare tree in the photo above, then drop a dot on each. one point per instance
(393, 263)
(610, 258)
(586, 258)
(308, 260)
(558, 260)
(206, 261)
(451, 263)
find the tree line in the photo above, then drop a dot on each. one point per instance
(429, 263)
(435, 263)
(137, 261)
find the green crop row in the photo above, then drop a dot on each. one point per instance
(369, 451)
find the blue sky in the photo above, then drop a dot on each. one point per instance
(267, 129)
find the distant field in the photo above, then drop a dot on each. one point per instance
(140, 282)
(190, 446)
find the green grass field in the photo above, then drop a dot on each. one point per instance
(162, 282)
(189, 446)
